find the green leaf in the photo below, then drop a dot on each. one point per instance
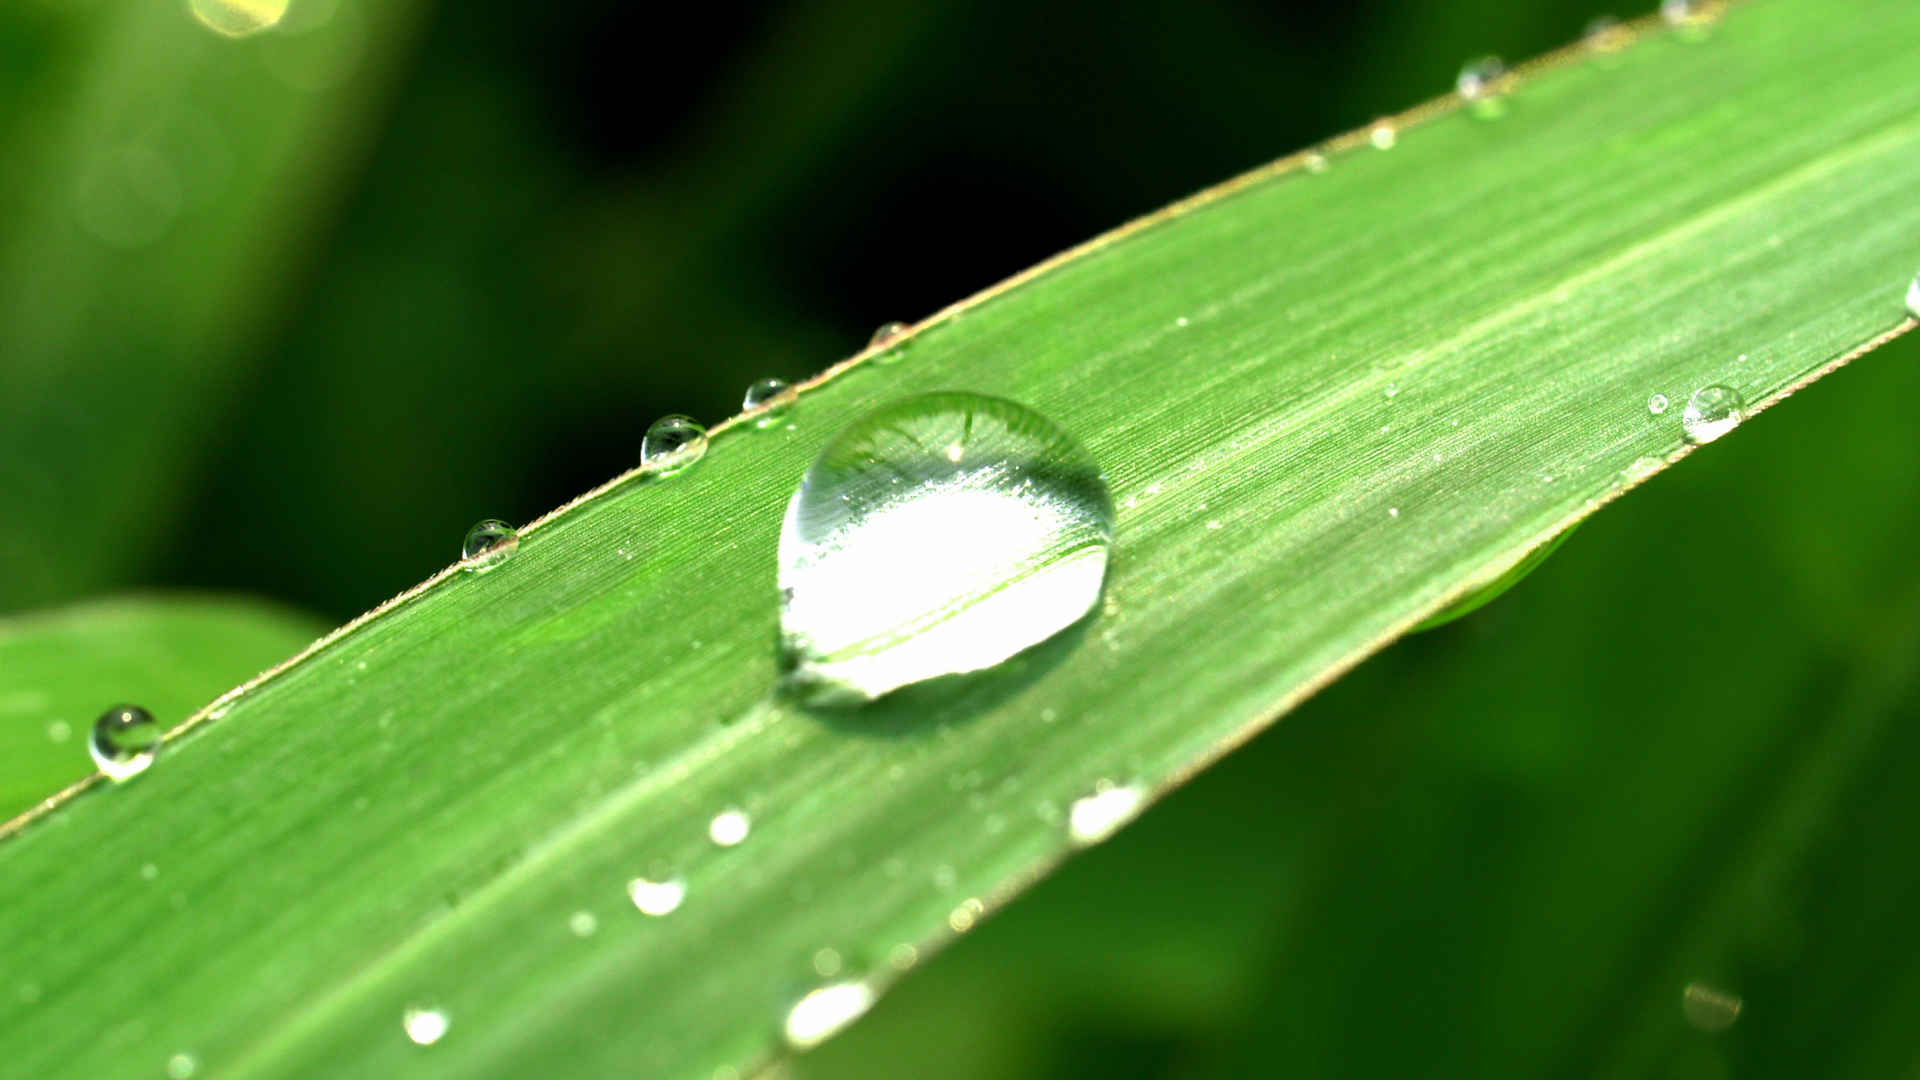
(169, 654)
(1329, 404)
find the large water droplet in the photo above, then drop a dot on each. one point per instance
(818, 1016)
(424, 1025)
(125, 741)
(1913, 297)
(769, 399)
(239, 18)
(672, 444)
(941, 534)
(487, 545)
(1711, 412)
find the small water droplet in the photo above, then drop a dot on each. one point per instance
(1657, 404)
(182, 1067)
(903, 956)
(487, 545)
(1314, 161)
(941, 534)
(149, 871)
(1604, 34)
(1382, 135)
(424, 1026)
(1711, 412)
(1393, 389)
(656, 897)
(821, 1014)
(1709, 1008)
(889, 340)
(1479, 84)
(1095, 817)
(771, 398)
(59, 732)
(1913, 297)
(673, 443)
(1684, 12)
(729, 827)
(826, 962)
(239, 18)
(1393, 511)
(125, 741)
(961, 918)
(583, 924)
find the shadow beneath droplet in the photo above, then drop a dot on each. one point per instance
(951, 699)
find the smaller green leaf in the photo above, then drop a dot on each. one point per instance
(170, 655)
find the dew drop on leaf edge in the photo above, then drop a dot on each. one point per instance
(124, 742)
(487, 545)
(1711, 412)
(768, 399)
(673, 443)
(940, 534)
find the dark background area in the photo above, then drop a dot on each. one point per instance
(1685, 750)
(574, 218)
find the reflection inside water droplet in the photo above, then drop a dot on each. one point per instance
(487, 545)
(124, 742)
(941, 534)
(822, 1013)
(1711, 412)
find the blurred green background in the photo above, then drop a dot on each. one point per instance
(282, 315)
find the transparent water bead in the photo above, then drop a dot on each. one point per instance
(239, 18)
(1913, 297)
(822, 1013)
(937, 535)
(887, 334)
(1657, 404)
(672, 444)
(124, 742)
(1711, 412)
(487, 545)
(1479, 83)
(770, 399)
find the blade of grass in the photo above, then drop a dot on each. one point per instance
(1328, 404)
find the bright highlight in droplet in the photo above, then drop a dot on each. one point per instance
(823, 1013)
(656, 897)
(425, 1026)
(1095, 817)
(239, 18)
(729, 827)
(1913, 297)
